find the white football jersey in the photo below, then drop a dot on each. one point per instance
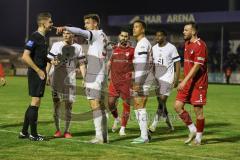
(69, 56)
(142, 51)
(97, 44)
(141, 57)
(57, 49)
(96, 58)
(163, 59)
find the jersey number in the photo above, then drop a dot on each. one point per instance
(160, 61)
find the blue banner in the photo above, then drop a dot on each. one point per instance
(198, 17)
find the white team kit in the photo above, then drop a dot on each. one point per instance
(96, 67)
(141, 61)
(96, 58)
(64, 75)
(164, 58)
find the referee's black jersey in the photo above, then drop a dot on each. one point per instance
(38, 46)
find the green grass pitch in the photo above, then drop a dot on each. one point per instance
(221, 137)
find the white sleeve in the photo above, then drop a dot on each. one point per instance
(175, 55)
(53, 52)
(81, 57)
(78, 31)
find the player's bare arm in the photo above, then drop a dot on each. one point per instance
(49, 65)
(60, 29)
(191, 74)
(3, 81)
(82, 69)
(177, 73)
(28, 60)
(108, 69)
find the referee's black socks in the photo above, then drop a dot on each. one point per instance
(26, 122)
(33, 117)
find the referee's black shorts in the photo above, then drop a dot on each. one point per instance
(36, 86)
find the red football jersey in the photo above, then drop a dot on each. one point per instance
(196, 52)
(1, 71)
(122, 64)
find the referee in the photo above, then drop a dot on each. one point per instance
(35, 56)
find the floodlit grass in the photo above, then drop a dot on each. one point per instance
(221, 137)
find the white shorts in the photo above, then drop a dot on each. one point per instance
(94, 90)
(163, 88)
(63, 86)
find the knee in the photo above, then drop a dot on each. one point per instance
(111, 104)
(95, 104)
(199, 115)
(162, 98)
(35, 101)
(178, 107)
(199, 112)
(55, 100)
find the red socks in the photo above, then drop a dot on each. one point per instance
(185, 117)
(115, 113)
(200, 125)
(125, 114)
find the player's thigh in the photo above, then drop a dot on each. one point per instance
(179, 106)
(112, 102)
(198, 109)
(35, 101)
(140, 102)
(94, 104)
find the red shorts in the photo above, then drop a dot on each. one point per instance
(195, 96)
(120, 90)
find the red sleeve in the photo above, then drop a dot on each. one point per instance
(132, 53)
(1, 71)
(114, 51)
(201, 53)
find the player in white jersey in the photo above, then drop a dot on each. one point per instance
(65, 56)
(141, 70)
(96, 72)
(165, 59)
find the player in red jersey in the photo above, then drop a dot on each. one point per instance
(120, 68)
(2, 76)
(193, 88)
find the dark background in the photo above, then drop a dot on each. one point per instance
(13, 12)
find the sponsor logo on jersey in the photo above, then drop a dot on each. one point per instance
(200, 58)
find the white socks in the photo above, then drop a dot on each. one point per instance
(199, 136)
(97, 120)
(192, 128)
(155, 121)
(141, 116)
(122, 129)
